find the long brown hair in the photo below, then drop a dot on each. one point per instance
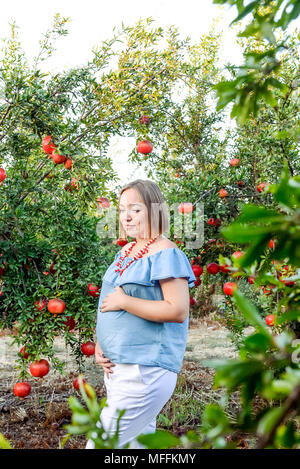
(151, 195)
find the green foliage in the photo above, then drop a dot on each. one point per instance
(81, 112)
(268, 363)
(266, 15)
(81, 109)
(86, 421)
(4, 443)
(229, 316)
(159, 440)
(257, 225)
(215, 424)
(249, 87)
(255, 81)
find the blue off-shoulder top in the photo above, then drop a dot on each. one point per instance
(126, 338)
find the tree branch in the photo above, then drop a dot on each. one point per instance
(38, 274)
(4, 116)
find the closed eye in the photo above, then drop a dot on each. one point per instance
(133, 210)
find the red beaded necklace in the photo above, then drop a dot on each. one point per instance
(137, 256)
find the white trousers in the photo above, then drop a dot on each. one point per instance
(143, 391)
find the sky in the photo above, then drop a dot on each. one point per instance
(92, 22)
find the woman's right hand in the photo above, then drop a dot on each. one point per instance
(103, 361)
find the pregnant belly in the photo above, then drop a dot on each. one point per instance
(117, 328)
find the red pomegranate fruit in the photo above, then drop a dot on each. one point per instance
(145, 120)
(229, 288)
(22, 389)
(121, 241)
(212, 268)
(261, 186)
(2, 174)
(93, 290)
(224, 268)
(88, 348)
(68, 163)
(56, 306)
(40, 305)
(237, 254)
(197, 269)
(48, 145)
(58, 159)
(39, 368)
(23, 352)
(103, 202)
(76, 383)
(70, 323)
(185, 207)
(223, 193)
(144, 147)
(270, 319)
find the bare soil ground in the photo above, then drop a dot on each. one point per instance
(36, 422)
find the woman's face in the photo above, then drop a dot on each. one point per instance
(133, 214)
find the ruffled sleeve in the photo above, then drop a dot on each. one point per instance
(171, 263)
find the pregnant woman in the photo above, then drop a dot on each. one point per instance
(143, 314)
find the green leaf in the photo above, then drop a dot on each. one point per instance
(264, 278)
(269, 98)
(288, 316)
(269, 420)
(214, 421)
(286, 435)
(282, 192)
(75, 404)
(292, 375)
(190, 436)
(165, 420)
(257, 342)
(64, 440)
(242, 233)
(159, 440)
(267, 32)
(225, 99)
(226, 85)
(4, 443)
(80, 418)
(245, 11)
(250, 30)
(74, 430)
(250, 212)
(280, 386)
(253, 252)
(236, 372)
(226, 91)
(277, 84)
(286, 18)
(250, 313)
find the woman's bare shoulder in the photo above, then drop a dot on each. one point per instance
(163, 244)
(166, 243)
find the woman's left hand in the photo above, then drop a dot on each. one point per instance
(113, 301)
